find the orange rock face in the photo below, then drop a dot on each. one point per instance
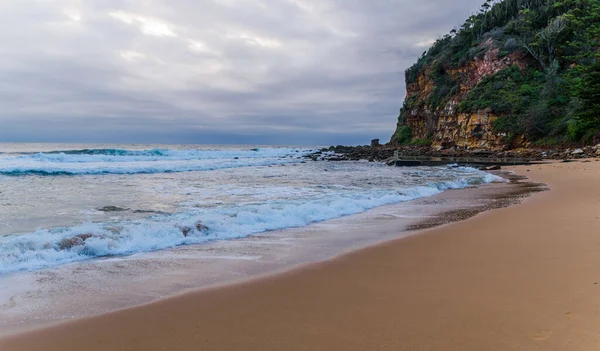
(445, 126)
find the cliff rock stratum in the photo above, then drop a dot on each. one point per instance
(518, 73)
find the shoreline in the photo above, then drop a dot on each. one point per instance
(408, 217)
(439, 220)
(520, 277)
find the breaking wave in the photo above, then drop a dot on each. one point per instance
(120, 161)
(47, 248)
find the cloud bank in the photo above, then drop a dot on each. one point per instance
(211, 71)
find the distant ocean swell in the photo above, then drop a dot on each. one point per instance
(46, 248)
(119, 161)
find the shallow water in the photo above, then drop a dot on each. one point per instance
(34, 299)
(53, 197)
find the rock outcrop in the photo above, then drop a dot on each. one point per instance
(515, 74)
(385, 152)
(444, 126)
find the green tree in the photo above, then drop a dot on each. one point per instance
(587, 123)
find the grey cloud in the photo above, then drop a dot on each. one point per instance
(207, 71)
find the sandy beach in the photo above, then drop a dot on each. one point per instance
(526, 277)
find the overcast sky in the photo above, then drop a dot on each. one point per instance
(211, 71)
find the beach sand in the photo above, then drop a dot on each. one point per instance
(526, 277)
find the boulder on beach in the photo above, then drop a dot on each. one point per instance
(77, 240)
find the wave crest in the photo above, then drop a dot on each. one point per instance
(46, 248)
(121, 161)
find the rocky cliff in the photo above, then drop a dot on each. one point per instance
(507, 78)
(444, 125)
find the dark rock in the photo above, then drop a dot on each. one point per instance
(112, 209)
(375, 143)
(68, 243)
(385, 152)
(84, 237)
(144, 211)
(185, 230)
(77, 240)
(200, 226)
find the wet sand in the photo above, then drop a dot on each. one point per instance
(31, 300)
(526, 277)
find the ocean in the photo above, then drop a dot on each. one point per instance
(68, 206)
(129, 199)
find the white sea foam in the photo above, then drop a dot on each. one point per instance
(43, 248)
(235, 197)
(118, 161)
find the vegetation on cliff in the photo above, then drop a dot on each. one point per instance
(532, 64)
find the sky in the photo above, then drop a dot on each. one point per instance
(302, 72)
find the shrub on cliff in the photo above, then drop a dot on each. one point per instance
(403, 136)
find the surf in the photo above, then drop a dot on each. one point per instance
(122, 161)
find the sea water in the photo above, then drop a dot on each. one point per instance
(61, 204)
